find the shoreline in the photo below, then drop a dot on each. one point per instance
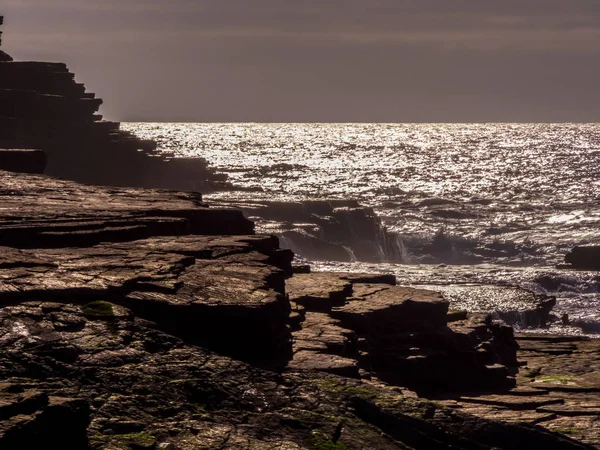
(330, 334)
(138, 318)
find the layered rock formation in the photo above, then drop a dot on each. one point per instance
(128, 321)
(362, 324)
(43, 107)
(558, 388)
(3, 56)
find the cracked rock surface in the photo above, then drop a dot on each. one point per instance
(192, 335)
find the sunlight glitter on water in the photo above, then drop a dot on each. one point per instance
(533, 189)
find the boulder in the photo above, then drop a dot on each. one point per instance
(584, 257)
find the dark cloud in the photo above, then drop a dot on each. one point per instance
(323, 60)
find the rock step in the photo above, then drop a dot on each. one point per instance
(27, 211)
(320, 333)
(36, 65)
(318, 291)
(22, 160)
(512, 402)
(399, 333)
(33, 105)
(392, 308)
(230, 299)
(572, 410)
(323, 362)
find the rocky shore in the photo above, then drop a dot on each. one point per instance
(136, 318)
(146, 319)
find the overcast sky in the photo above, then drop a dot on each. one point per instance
(322, 60)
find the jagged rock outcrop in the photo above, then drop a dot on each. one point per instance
(359, 325)
(3, 56)
(558, 388)
(585, 257)
(334, 230)
(43, 107)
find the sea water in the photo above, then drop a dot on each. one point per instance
(529, 191)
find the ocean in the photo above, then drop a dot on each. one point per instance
(512, 199)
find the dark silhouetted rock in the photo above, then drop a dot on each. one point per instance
(334, 230)
(558, 388)
(366, 325)
(3, 56)
(584, 257)
(32, 419)
(22, 160)
(43, 107)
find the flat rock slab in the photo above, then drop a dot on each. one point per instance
(516, 402)
(40, 211)
(558, 388)
(528, 417)
(320, 332)
(322, 362)
(392, 308)
(318, 291)
(573, 409)
(226, 294)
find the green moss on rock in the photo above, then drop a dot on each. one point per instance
(556, 379)
(98, 310)
(532, 373)
(137, 440)
(321, 444)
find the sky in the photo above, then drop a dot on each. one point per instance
(322, 60)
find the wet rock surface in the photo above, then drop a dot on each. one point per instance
(369, 327)
(228, 295)
(143, 319)
(147, 389)
(39, 211)
(335, 230)
(180, 340)
(558, 388)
